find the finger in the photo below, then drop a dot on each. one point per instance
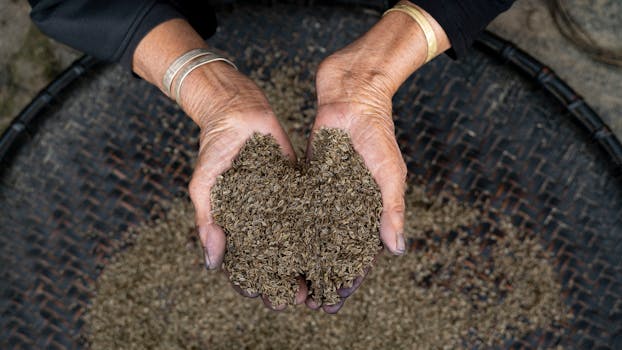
(346, 292)
(238, 289)
(392, 228)
(244, 293)
(312, 304)
(301, 294)
(389, 171)
(213, 160)
(333, 309)
(213, 240)
(271, 306)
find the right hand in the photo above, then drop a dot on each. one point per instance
(227, 106)
(228, 112)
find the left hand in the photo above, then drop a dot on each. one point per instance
(354, 87)
(361, 105)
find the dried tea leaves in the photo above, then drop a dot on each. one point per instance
(319, 218)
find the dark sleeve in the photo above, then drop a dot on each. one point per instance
(463, 20)
(111, 30)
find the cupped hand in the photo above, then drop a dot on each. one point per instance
(355, 86)
(358, 100)
(227, 116)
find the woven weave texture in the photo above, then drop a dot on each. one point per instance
(113, 147)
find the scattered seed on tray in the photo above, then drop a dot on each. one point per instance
(468, 281)
(443, 294)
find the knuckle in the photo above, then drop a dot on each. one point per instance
(195, 187)
(399, 170)
(329, 63)
(202, 181)
(403, 171)
(395, 207)
(395, 203)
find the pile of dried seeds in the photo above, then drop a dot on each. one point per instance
(157, 295)
(318, 219)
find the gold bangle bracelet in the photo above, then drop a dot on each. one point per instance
(415, 13)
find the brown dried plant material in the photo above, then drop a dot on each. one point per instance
(251, 202)
(478, 286)
(157, 295)
(346, 204)
(318, 218)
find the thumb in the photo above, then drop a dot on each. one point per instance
(212, 236)
(392, 231)
(389, 171)
(213, 239)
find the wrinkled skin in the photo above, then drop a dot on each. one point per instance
(225, 127)
(345, 101)
(359, 101)
(354, 85)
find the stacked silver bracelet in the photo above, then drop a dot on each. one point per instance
(184, 65)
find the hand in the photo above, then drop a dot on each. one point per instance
(228, 118)
(354, 87)
(228, 107)
(361, 104)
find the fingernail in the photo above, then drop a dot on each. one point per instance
(208, 263)
(333, 309)
(201, 231)
(311, 304)
(400, 244)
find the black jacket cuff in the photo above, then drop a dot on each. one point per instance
(463, 20)
(200, 16)
(157, 13)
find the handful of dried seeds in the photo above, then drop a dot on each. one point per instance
(318, 218)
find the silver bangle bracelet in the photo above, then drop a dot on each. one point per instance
(177, 65)
(196, 63)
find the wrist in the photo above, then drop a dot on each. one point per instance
(408, 39)
(217, 90)
(387, 54)
(395, 45)
(161, 46)
(209, 91)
